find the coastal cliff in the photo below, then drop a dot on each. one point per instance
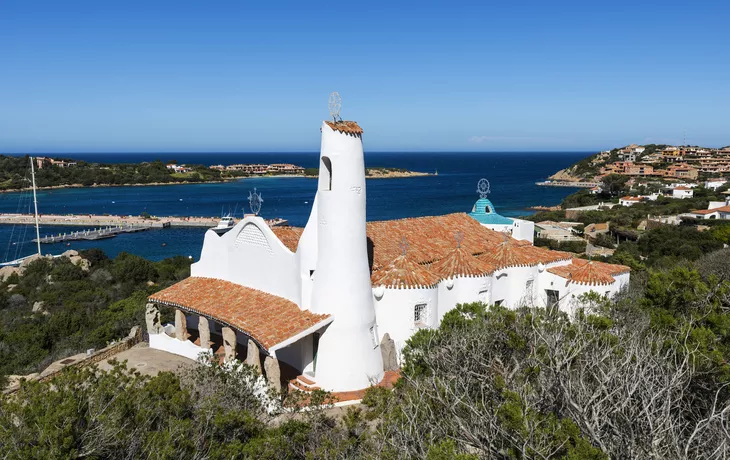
(566, 175)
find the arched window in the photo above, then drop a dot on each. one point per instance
(326, 174)
(487, 209)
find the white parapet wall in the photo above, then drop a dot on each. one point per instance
(251, 255)
(172, 345)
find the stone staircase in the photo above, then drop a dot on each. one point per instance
(302, 383)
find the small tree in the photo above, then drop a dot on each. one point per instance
(614, 184)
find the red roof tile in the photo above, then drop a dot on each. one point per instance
(404, 273)
(589, 272)
(429, 238)
(507, 255)
(432, 238)
(349, 127)
(266, 318)
(289, 236)
(710, 211)
(460, 262)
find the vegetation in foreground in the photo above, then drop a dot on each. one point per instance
(641, 376)
(76, 309)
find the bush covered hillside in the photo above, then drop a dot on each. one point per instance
(644, 375)
(56, 308)
(15, 174)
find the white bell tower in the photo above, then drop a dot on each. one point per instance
(348, 356)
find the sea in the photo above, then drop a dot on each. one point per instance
(512, 177)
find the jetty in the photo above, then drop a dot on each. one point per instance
(106, 220)
(91, 235)
(552, 183)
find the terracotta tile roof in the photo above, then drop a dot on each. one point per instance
(596, 227)
(539, 255)
(507, 254)
(612, 269)
(589, 272)
(682, 187)
(404, 273)
(710, 211)
(631, 198)
(349, 127)
(266, 318)
(460, 262)
(289, 236)
(430, 238)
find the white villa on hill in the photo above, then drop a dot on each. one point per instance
(331, 305)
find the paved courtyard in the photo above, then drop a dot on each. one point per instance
(149, 361)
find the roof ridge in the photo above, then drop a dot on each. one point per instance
(462, 263)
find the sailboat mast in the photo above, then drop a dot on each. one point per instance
(35, 205)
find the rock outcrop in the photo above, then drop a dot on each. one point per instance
(252, 355)
(229, 344)
(388, 351)
(152, 318)
(273, 373)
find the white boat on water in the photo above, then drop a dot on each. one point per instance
(226, 223)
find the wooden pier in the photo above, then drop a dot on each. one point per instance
(98, 221)
(92, 235)
(92, 220)
(553, 183)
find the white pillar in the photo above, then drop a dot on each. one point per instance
(347, 357)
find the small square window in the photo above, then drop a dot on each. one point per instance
(528, 285)
(420, 313)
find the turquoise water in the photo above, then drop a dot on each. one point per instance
(512, 177)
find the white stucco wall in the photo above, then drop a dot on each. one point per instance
(307, 257)
(464, 290)
(251, 255)
(523, 230)
(510, 286)
(172, 345)
(395, 309)
(570, 292)
(348, 357)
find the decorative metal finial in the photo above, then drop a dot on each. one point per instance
(483, 188)
(255, 200)
(335, 104)
(459, 237)
(404, 246)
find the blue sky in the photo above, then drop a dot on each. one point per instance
(161, 76)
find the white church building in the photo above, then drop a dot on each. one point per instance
(332, 304)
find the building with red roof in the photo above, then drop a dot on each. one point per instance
(332, 304)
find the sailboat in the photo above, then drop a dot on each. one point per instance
(16, 262)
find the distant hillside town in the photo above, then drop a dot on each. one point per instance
(260, 169)
(653, 161)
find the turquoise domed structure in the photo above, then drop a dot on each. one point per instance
(483, 211)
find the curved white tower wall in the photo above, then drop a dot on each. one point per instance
(395, 310)
(347, 357)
